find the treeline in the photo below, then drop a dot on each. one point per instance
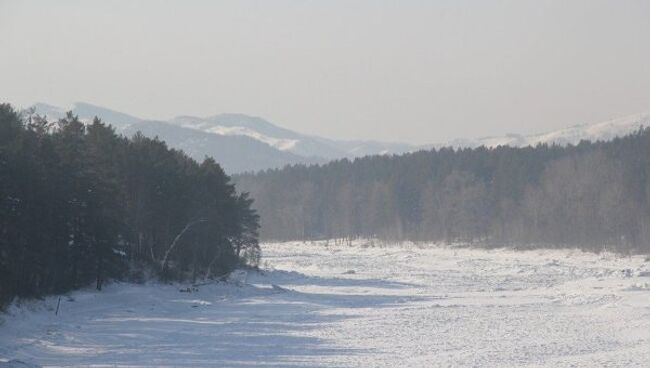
(80, 204)
(592, 195)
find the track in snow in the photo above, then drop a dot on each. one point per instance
(339, 306)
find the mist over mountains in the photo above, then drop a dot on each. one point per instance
(243, 143)
(238, 142)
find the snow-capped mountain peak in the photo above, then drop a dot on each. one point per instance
(239, 142)
(211, 126)
(605, 130)
(246, 143)
(601, 131)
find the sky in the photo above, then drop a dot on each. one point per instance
(412, 71)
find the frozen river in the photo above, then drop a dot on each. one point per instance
(339, 306)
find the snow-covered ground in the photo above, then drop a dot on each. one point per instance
(340, 306)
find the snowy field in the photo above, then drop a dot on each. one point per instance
(340, 306)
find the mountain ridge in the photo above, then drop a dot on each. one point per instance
(244, 143)
(604, 130)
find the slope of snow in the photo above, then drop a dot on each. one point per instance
(283, 144)
(287, 140)
(338, 306)
(603, 131)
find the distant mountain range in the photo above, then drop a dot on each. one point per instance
(238, 142)
(602, 131)
(246, 143)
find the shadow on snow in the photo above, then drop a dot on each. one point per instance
(224, 326)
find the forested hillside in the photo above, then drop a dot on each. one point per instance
(80, 204)
(593, 195)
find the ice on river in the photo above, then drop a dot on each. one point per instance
(342, 306)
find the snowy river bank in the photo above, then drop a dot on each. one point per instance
(339, 306)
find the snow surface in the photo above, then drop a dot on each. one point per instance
(341, 306)
(602, 131)
(282, 144)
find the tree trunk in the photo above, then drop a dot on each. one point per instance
(100, 270)
(173, 244)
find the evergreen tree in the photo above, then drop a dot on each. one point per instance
(592, 195)
(80, 204)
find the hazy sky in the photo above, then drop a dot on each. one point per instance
(418, 71)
